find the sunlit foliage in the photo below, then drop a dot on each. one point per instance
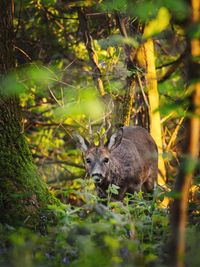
(57, 94)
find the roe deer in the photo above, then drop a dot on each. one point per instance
(129, 159)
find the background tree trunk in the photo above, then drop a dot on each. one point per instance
(153, 96)
(142, 62)
(87, 38)
(134, 97)
(23, 193)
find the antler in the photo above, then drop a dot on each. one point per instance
(101, 138)
(91, 137)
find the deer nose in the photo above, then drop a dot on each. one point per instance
(97, 178)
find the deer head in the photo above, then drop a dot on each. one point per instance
(98, 158)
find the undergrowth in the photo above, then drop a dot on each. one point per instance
(93, 232)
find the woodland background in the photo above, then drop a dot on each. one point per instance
(66, 65)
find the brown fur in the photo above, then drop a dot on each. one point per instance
(132, 161)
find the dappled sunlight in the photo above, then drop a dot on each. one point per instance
(80, 185)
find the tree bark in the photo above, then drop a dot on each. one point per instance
(128, 101)
(142, 62)
(190, 153)
(133, 98)
(153, 96)
(22, 193)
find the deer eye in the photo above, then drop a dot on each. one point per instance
(106, 160)
(88, 161)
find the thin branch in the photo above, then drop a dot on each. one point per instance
(71, 63)
(65, 162)
(142, 89)
(173, 67)
(91, 52)
(61, 82)
(40, 123)
(169, 72)
(67, 177)
(173, 62)
(167, 117)
(23, 52)
(96, 14)
(174, 134)
(121, 25)
(52, 94)
(57, 17)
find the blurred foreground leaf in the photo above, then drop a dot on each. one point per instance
(24, 79)
(158, 24)
(85, 104)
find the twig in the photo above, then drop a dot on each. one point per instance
(171, 69)
(69, 65)
(142, 89)
(67, 177)
(171, 62)
(53, 124)
(91, 52)
(23, 52)
(56, 100)
(174, 134)
(65, 162)
(121, 25)
(96, 14)
(167, 117)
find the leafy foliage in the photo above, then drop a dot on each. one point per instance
(133, 233)
(129, 234)
(53, 80)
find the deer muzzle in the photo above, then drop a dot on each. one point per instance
(97, 178)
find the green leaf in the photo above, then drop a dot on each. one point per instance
(119, 5)
(158, 24)
(113, 189)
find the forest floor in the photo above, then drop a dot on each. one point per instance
(91, 232)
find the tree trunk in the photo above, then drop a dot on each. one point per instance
(153, 96)
(190, 153)
(23, 193)
(133, 97)
(142, 62)
(128, 101)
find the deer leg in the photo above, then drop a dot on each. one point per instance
(148, 185)
(122, 193)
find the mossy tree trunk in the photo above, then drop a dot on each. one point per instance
(134, 98)
(22, 193)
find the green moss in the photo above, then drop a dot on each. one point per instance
(23, 194)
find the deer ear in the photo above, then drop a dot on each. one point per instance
(115, 139)
(81, 143)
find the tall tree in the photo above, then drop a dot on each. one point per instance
(141, 62)
(191, 148)
(153, 96)
(22, 191)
